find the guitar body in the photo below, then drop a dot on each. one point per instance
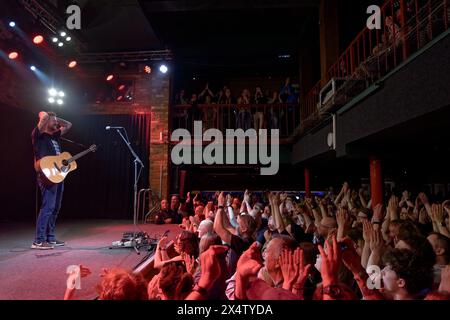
(55, 168)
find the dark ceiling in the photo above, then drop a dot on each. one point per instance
(241, 33)
(201, 33)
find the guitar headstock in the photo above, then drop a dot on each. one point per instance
(93, 148)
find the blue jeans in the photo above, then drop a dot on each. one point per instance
(51, 203)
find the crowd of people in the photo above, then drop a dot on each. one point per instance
(238, 111)
(281, 247)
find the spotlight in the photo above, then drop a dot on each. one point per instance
(121, 87)
(33, 68)
(54, 39)
(63, 34)
(119, 98)
(52, 92)
(59, 101)
(60, 44)
(109, 77)
(147, 69)
(12, 24)
(72, 64)
(163, 68)
(68, 38)
(51, 100)
(38, 39)
(61, 94)
(13, 55)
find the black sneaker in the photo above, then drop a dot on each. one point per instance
(57, 243)
(41, 246)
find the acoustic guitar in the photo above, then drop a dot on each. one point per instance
(56, 168)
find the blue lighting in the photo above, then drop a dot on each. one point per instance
(12, 24)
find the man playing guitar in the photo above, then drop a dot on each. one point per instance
(45, 143)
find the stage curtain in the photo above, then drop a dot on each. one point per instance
(102, 186)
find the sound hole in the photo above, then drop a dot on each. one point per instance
(65, 163)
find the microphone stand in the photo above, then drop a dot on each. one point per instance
(133, 241)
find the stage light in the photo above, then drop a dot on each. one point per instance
(72, 64)
(59, 101)
(163, 68)
(33, 68)
(147, 69)
(109, 77)
(121, 87)
(12, 24)
(61, 94)
(63, 34)
(54, 39)
(52, 92)
(51, 100)
(60, 44)
(119, 98)
(38, 39)
(68, 38)
(13, 55)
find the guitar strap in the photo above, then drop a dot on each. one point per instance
(73, 142)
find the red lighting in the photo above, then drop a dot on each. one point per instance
(121, 87)
(13, 55)
(72, 64)
(147, 69)
(119, 98)
(38, 39)
(109, 77)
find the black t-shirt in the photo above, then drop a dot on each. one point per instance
(168, 214)
(239, 245)
(45, 144)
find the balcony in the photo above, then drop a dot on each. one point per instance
(285, 117)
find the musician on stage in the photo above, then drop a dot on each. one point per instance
(45, 140)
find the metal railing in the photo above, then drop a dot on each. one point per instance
(148, 204)
(285, 117)
(407, 26)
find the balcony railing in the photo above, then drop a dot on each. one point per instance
(407, 26)
(285, 117)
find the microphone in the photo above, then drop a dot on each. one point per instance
(109, 128)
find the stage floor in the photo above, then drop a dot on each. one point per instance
(27, 274)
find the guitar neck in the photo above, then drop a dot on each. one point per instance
(79, 155)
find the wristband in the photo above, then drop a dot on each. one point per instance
(202, 291)
(221, 207)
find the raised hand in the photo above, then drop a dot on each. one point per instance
(437, 213)
(376, 241)
(162, 243)
(250, 262)
(288, 268)
(247, 196)
(367, 230)
(331, 261)
(342, 217)
(229, 199)
(302, 271)
(191, 264)
(221, 199)
(392, 208)
(378, 213)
